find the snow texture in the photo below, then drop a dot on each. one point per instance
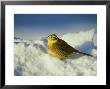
(32, 59)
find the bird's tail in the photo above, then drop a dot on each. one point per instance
(87, 54)
(78, 52)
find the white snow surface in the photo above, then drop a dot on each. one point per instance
(32, 59)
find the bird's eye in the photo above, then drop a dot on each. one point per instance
(49, 36)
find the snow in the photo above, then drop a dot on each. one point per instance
(32, 59)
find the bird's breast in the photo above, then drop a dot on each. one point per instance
(54, 50)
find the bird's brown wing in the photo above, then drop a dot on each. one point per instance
(66, 47)
(70, 50)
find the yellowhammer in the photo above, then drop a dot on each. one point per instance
(60, 49)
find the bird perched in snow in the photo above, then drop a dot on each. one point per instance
(60, 49)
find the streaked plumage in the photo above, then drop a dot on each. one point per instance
(60, 49)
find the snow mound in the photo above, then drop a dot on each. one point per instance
(75, 39)
(32, 59)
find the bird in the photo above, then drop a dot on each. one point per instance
(61, 49)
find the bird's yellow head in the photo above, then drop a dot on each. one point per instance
(52, 38)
